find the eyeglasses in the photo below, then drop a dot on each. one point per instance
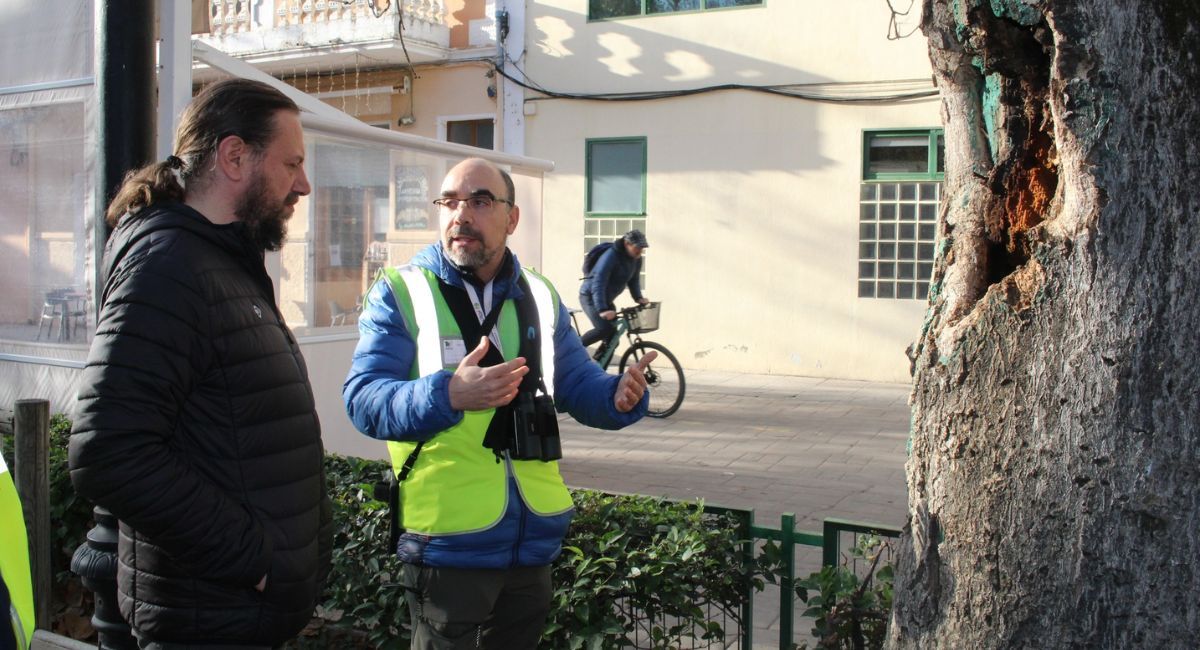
(473, 203)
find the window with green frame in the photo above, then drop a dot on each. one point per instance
(898, 208)
(601, 9)
(615, 191)
(909, 154)
(616, 176)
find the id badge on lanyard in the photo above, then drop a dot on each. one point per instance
(482, 308)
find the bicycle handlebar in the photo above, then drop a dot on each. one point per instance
(625, 311)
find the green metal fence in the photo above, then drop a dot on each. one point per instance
(829, 540)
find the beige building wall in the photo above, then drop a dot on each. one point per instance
(751, 199)
(450, 90)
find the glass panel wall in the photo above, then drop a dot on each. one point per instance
(45, 185)
(370, 207)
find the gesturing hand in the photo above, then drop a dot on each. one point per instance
(633, 384)
(473, 388)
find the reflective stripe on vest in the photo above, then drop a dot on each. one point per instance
(545, 304)
(456, 485)
(429, 350)
(14, 560)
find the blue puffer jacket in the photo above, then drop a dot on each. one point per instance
(614, 271)
(384, 403)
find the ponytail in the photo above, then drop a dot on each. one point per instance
(156, 182)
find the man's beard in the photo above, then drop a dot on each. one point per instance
(465, 259)
(265, 220)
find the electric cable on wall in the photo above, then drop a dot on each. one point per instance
(795, 91)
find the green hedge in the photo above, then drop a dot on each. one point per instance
(635, 572)
(633, 569)
(70, 519)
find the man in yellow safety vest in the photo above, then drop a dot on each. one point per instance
(462, 361)
(16, 586)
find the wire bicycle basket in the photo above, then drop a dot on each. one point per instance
(645, 319)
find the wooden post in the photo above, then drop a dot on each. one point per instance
(31, 471)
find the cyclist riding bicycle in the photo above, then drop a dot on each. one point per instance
(664, 377)
(609, 268)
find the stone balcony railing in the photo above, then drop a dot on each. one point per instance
(302, 32)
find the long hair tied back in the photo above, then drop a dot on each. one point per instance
(175, 164)
(154, 183)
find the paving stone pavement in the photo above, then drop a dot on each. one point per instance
(814, 447)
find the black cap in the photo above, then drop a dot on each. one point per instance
(636, 238)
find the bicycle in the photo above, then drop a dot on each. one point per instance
(664, 375)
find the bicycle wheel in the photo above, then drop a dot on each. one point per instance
(664, 375)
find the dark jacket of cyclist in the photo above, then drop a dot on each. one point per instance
(618, 268)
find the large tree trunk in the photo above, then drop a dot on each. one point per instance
(1054, 482)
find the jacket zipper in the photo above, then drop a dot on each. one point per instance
(511, 475)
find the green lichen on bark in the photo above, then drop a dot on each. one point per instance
(991, 111)
(1017, 10)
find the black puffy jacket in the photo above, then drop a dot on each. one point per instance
(195, 425)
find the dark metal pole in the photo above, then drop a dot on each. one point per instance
(125, 127)
(125, 101)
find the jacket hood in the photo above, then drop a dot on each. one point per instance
(133, 228)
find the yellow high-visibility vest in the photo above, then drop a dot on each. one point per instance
(456, 485)
(14, 559)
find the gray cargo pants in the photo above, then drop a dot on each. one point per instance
(495, 609)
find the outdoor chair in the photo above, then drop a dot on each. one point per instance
(64, 308)
(76, 315)
(51, 313)
(338, 315)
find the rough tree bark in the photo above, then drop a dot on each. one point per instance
(1054, 481)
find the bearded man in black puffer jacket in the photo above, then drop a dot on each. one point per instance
(195, 423)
